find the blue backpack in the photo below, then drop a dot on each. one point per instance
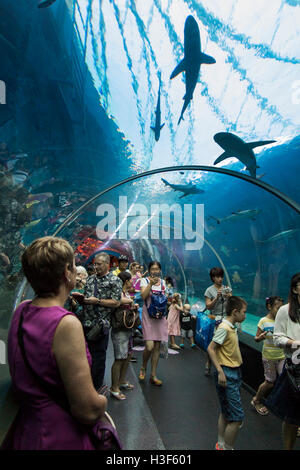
(157, 307)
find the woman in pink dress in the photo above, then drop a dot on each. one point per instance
(173, 320)
(57, 352)
(154, 331)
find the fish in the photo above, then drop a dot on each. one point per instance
(285, 235)
(234, 146)
(186, 189)
(225, 250)
(32, 223)
(158, 126)
(190, 64)
(236, 277)
(234, 216)
(45, 3)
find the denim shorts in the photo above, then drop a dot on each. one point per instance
(230, 396)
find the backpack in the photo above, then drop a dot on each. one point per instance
(157, 307)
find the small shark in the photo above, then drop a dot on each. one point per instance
(234, 146)
(193, 58)
(286, 234)
(187, 189)
(247, 214)
(45, 3)
(158, 127)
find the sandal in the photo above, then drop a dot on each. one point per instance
(175, 346)
(142, 375)
(127, 386)
(259, 408)
(155, 381)
(118, 395)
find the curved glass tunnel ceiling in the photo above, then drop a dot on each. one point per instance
(228, 222)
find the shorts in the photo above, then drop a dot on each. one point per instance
(230, 396)
(122, 343)
(186, 333)
(272, 369)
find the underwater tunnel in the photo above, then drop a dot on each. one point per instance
(79, 160)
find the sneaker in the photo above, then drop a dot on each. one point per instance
(217, 447)
(193, 345)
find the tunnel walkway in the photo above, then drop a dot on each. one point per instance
(183, 413)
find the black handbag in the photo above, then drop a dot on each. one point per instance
(102, 326)
(293, 375)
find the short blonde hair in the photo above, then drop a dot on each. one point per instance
(133, 264)
(44, 262)
(81, 270)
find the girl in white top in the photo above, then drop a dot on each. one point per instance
(287, 336)
(154, 331)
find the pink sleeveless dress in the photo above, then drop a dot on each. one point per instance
(41, 424)
(153, 329)
(173, 321)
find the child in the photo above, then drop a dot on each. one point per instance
(186, 325)
(216, 297)
(272, 356)
(225, 354)
(173, 319)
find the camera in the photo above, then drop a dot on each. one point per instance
(226, 290)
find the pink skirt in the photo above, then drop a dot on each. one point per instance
(173, 322)
(153, 329)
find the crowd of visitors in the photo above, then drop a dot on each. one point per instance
(84, 305)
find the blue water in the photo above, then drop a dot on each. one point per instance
(72, 130)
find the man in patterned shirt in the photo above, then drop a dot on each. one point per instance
(102, 295)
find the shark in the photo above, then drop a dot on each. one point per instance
(234, 216)
(45, 3)
(158, 126)
(234, 146)
(193, 58)
(186, 189)
(285, 235)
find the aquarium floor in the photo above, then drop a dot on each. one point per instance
(183, 413)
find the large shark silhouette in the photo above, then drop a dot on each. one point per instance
(158, 127)
(193, 58)
(186, 189)
(234, 146)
